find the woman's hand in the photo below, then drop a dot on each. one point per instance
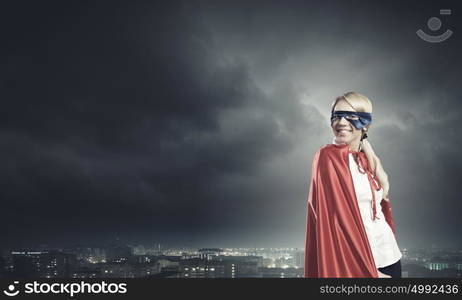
(382, 275)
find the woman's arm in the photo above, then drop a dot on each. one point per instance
(377, 167)
(382, 275)
(385, 184)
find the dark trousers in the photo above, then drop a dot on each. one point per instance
(393, 270)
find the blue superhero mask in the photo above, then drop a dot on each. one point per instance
(358, 119)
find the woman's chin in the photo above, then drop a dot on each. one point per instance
(341, 140)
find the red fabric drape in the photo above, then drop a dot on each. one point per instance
(336, 243)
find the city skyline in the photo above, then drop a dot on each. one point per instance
(125, 261)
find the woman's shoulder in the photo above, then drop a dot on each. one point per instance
(328, 154)
(328, 150)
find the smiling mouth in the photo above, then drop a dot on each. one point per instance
(343, 130)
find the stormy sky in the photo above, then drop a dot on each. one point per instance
(195, 122)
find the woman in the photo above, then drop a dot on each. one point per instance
(347, 235)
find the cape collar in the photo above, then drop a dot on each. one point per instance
(344, 144)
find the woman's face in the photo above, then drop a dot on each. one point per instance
(343, 130)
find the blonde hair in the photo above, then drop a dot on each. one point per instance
(361, 103)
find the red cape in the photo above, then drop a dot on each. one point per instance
(336, 243)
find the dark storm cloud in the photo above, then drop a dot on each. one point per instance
(113, 122)
(197, 122)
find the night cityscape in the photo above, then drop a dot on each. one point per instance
(128, 261)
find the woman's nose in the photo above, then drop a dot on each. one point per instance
(343, 121)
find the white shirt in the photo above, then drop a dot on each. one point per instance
(381, 238)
